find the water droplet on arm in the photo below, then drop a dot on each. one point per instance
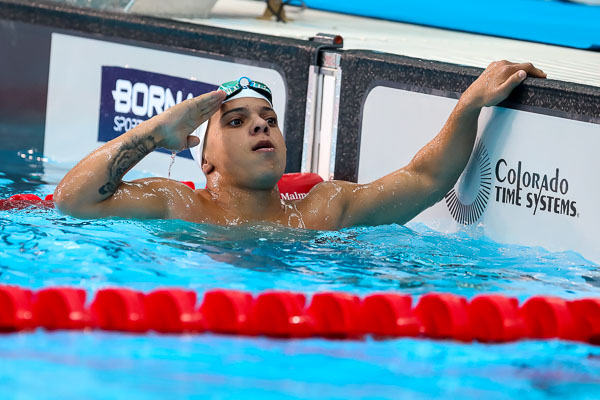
(173, 155)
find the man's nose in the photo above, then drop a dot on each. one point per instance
(260, 126)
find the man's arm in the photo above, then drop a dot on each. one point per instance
(401, 195)
(94, 187)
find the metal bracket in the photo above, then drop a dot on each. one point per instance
(322, 108)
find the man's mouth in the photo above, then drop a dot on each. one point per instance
(263, 146)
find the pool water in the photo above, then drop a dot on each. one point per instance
(39, 248)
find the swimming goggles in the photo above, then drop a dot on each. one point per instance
(233, 88)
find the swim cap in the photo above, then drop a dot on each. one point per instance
(233, 90)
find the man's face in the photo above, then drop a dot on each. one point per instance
(244, 144)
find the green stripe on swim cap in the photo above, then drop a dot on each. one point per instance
(246, 87)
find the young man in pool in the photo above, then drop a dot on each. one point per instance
(243, 156)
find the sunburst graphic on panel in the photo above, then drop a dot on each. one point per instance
(469, 197)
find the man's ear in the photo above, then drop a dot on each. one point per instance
(207, 167)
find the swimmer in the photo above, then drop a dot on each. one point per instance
(234, 133)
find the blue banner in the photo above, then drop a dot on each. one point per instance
(130, 96)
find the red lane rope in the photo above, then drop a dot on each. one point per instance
(284, 314)
(21, 201)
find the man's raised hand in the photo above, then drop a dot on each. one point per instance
(498, 80)
(175, 125)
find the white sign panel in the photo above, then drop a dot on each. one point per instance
(531, 178)
(98, 90)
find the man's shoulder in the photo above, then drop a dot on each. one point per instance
(329, 188)
(177, 195)
(325, 204)
(166, 184)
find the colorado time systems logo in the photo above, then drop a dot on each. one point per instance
(534, 190)
(515, 185)
(128, 97)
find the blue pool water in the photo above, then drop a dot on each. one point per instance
(40, 248)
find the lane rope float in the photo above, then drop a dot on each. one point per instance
(490, 318)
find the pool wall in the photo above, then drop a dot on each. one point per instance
(353, 115)
(31, 31)
(529, 180)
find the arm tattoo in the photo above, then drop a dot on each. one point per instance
(128, 155)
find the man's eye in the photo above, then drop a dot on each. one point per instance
(235, 122)
(272, 121)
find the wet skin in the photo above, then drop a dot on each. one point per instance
(244, 158)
